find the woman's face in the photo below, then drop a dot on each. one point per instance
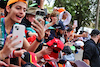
(17, 11)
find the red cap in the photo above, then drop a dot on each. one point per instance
(56, 44)
(30, 57)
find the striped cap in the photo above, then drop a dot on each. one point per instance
(30, 57)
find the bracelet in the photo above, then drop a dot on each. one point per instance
(14, 54)
(39, 40)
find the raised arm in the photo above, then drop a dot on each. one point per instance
(39, 28)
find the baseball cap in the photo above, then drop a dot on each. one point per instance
(31, 10)
(95, 32)
(13, 1)
(51, 27)
(61, 10)
(30, 57)
(55, 8)
(34, 4)
(56, 43)
(67, 50)
(79, 43)
(68, 29)
(62, 25)
(59, 25)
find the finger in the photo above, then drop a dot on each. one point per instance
(8, 37)
(3, 64)
(13, 38)
(38, 24)
(38, 31)
(14, 44)
(42, 23)
(24, 50)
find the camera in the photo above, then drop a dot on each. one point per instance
(16, 27)
(40, 14)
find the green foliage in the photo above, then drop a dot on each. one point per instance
(49, 9)
(82, 10)
(29, 2)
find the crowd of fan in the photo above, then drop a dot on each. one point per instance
(49, 38)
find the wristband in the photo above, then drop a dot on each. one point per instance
(39, 40)
(14, 54)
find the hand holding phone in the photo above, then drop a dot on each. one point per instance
(18, 30)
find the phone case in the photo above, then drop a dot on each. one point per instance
(18, 30)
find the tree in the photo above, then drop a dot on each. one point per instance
(49, 9)
(82, 10)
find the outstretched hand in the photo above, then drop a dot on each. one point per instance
(39, 28)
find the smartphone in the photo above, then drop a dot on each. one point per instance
(18, 30)
(37, 17)
(40, 14)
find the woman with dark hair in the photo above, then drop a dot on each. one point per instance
(15, 12)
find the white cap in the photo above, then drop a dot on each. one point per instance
(79, 43)
(55, 8)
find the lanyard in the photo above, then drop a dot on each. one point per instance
(5, 31)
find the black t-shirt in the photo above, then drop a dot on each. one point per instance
(91, 53)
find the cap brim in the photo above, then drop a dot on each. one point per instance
(51, 27)
(30, 13)
(33, 5)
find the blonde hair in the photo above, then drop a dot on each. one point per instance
(54, 14)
